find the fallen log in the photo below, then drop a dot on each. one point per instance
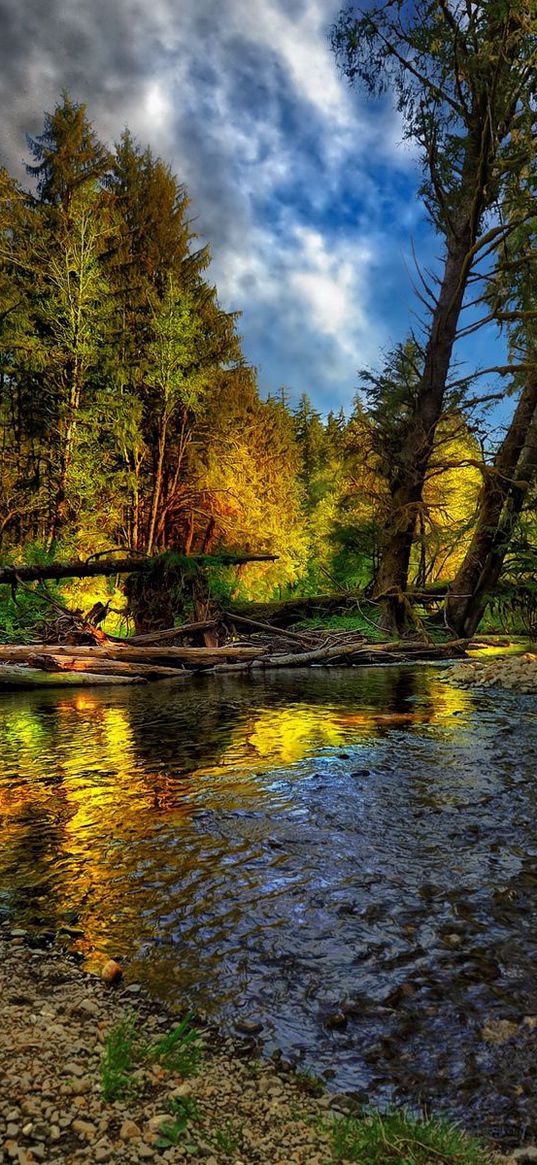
(153, 638)
(11, 575)
(288, 611)
(16, 676)
(113, 667)
(195, 656)
(355, 653)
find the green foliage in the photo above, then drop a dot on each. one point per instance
(184, 1111)
(127, 1049)
(399, 1138)
(180, 1050)
(351, 622)
(119, 1059)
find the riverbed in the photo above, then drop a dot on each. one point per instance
(345, 857)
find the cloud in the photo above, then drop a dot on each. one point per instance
(298, 185)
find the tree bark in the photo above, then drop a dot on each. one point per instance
(500, 503)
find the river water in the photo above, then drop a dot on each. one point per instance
(348, 857)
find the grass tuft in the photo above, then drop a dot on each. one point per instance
(119, 1059)
(180, 1050)
(398, 1138)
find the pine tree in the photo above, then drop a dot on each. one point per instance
(67, 154)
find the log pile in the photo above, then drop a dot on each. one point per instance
(163, 655)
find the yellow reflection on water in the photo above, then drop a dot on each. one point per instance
(90, 812)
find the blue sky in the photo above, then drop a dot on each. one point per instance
(302, 188)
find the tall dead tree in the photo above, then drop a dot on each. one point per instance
(464, 74)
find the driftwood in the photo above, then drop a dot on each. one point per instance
(398, 650)
(173, 656)
(113, 667)
(39, 664)
(110, 566)
(13, 676)
(156, 637)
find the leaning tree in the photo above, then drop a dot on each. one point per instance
(464, 73)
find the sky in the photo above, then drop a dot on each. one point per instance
(301, 186)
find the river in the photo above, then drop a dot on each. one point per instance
(348, 857)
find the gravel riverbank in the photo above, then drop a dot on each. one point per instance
(516, 672)
(55, 1022)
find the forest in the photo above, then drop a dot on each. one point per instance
(131, 422)
(274, 903)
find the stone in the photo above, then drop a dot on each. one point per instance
(80, 1086)
(111, 972)
(249, 1027)
(129, 1130)
(83, 1128)
(158, 1120)
(184, 1089)
(525, 1155)
(336, 1020)
(85, 1007)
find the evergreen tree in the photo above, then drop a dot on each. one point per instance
(67, 154)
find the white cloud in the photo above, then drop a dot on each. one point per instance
(245, 102)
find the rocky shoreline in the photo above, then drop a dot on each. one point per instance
(55, 1022)
(514, 672)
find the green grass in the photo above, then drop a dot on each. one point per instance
(398, 1138)
(119, 1058)
(180, 1050)
(126, 1049)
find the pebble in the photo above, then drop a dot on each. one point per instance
(249, 1027)
(83, 1128)
(129, 1130)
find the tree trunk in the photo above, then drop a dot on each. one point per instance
(157, 490)
(500, 503)
(418, 442)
